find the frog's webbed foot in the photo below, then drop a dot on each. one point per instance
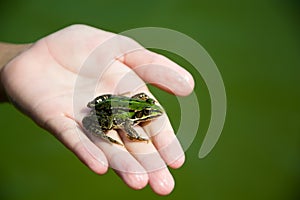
(96, 130)
(131, 133)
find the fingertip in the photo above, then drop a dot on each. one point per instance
(98, 164)
(167, 145)
(139, 181)
(190, 83)
(177, 163)
(91, 156)
(135, 181)
(183, 83)
(161, 182)
(98, 167)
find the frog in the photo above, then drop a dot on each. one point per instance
(113, 112)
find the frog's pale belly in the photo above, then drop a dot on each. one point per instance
(120, 112)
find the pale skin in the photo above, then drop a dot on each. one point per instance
(39, 79)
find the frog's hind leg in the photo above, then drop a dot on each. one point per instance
(131, 133)
(96, 130)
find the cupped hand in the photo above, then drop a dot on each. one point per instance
(53, 80)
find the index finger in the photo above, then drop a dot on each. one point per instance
(160, 71)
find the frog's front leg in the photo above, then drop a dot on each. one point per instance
(90, 123)
(131, 133)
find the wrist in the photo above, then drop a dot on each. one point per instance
(7, 53)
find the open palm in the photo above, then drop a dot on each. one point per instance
(51, 83)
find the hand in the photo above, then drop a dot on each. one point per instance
(42, 82)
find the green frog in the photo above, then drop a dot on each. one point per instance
(120, 112)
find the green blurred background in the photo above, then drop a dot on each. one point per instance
(256, 46)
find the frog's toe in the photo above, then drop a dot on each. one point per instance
(115, 142)
(112, 140)
(138, 138)
(107, 138)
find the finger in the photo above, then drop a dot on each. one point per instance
(160, 179)
(125, 165)
(165, 141)
(160, 71)
(163, 137)
(70, 134)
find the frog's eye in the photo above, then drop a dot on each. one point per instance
(151, 101)
(93, 103)
(138, 114)
(147, 111)
(98, 100)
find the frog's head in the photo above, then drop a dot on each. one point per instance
(98, 101)
(147, 113)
